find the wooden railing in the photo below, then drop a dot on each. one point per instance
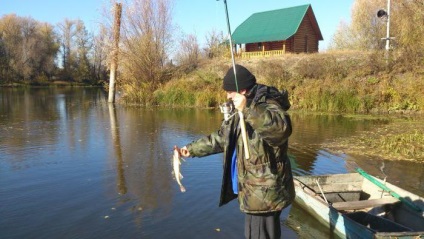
(256, 54)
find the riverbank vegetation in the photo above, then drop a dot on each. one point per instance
(355, 82)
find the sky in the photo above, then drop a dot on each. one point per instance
(198, 17)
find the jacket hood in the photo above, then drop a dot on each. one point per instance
(262, 93)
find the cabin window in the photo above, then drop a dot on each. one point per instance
(260, 46)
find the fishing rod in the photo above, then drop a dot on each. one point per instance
(240, 113)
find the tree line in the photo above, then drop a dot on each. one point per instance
(35, 52)
(153, 50)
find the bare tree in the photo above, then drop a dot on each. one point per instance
(343, 38)
(45, 51)
(188, 55)
(67, 32)
(146, 40)
(99, 55)
(83, 42)
(215, 44)
(29, 40)
(76, 45)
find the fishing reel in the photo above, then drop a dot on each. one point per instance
(227, 109)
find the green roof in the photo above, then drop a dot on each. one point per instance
(275, 25)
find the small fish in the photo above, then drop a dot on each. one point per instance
(176, 164)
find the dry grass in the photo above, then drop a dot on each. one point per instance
(398, 140)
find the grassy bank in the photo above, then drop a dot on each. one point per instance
(347, 82)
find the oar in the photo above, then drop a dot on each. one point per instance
(385, 188)
(322, 192)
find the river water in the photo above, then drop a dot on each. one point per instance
(73, 166)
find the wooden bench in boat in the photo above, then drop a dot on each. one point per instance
(352, 205)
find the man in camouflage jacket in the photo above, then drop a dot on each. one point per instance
(264, 181)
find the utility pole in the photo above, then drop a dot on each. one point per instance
(386, 14)
(114, 60)
(388, 27)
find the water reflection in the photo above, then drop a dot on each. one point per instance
(35, 119)
(306, 226)
(313, 130)
(146, 160)
(116, 140)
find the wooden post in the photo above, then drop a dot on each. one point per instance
(114, 60)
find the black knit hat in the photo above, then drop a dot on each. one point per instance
(245, 79)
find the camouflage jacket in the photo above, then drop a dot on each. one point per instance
(265, 180)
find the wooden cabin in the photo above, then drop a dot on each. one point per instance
(276, 32)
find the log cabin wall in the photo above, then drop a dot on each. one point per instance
(250, 47)
(275, 45)
(305, 39)
(289, 45)
(269, 46)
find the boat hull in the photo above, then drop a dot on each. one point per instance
(317, 194)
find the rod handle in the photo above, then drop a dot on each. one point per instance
(244, 135)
